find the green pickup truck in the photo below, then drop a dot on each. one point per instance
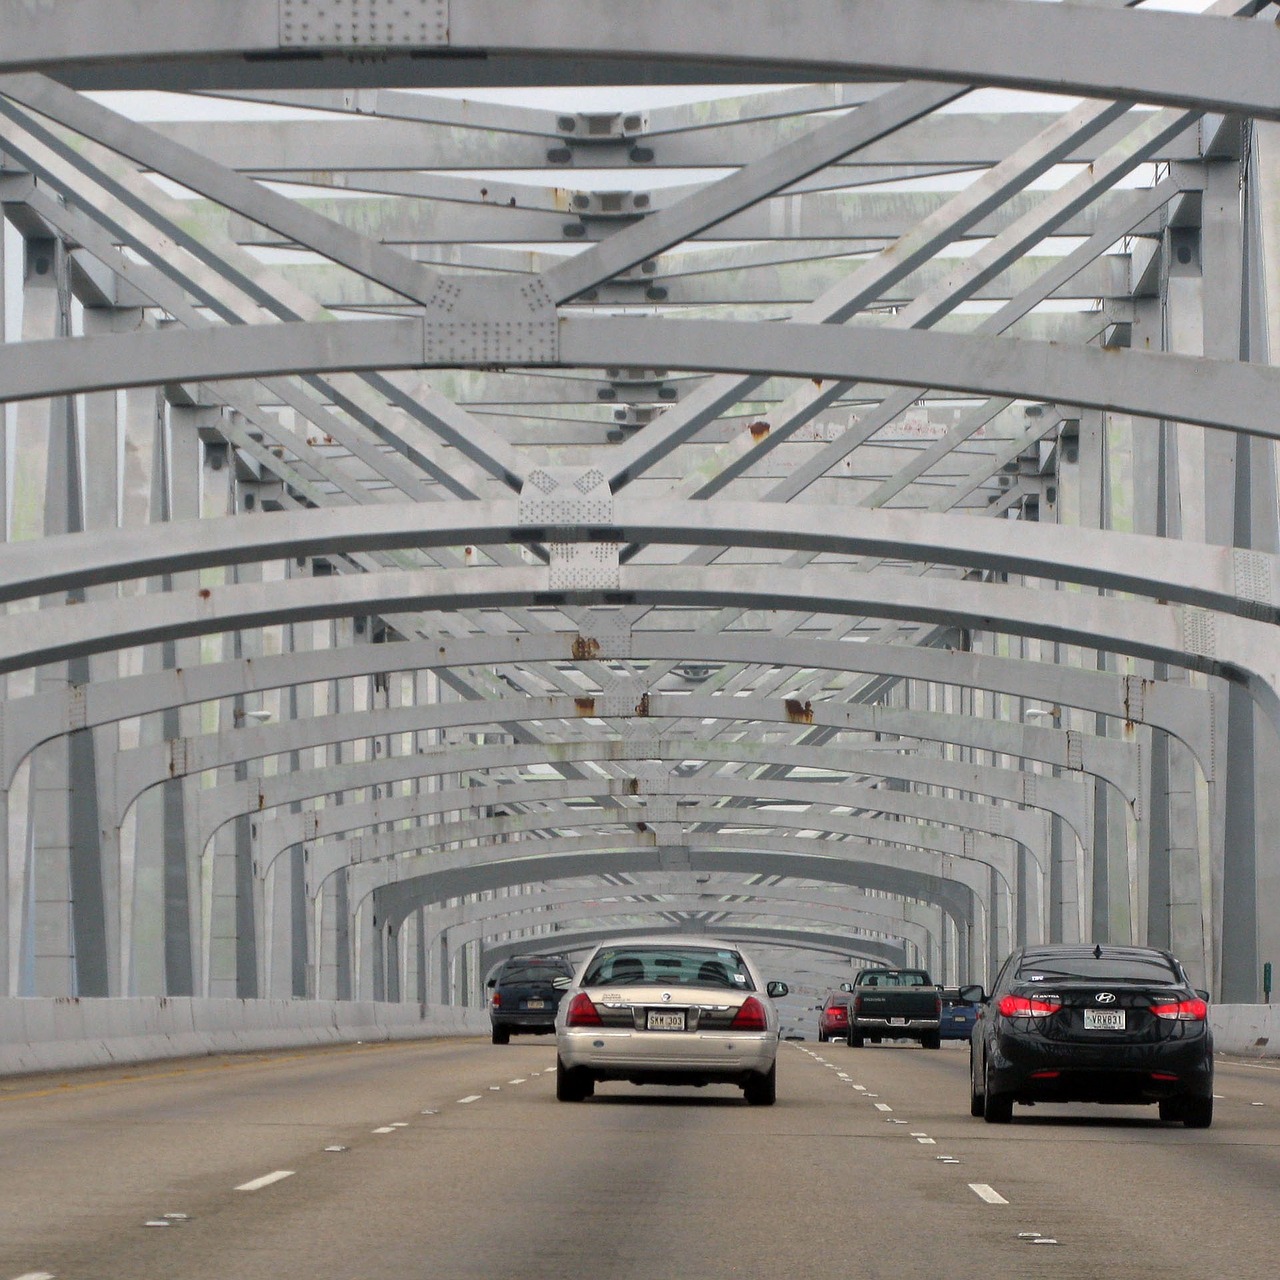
(894, 1004)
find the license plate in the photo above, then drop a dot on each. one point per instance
(1104, 1019)
(535, 1004)
(661, 1020)
(897, 1022)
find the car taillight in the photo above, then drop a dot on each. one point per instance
(857, 1004)
(750, 1016)
(497, 999)
(582, 1013)
(1182, 1011)
(1028, 1007)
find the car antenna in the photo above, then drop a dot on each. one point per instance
(1097, 951)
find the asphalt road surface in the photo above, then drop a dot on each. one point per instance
(451, 1158)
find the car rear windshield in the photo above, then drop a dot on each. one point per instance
(895, 978)
(1103, 968)
(534, 971)
(668, 967)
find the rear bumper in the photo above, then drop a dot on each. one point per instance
(672, 1057)
(887, 1027)
(538, 1021)
(1135, 1073)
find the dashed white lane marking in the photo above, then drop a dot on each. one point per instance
(471, 1097)
(386, 1128)
(927, 1142)
(883, 1106)
(520, 1081)
(36, 1275)
(989, 1194)
(399, 1124)
(266, 1180)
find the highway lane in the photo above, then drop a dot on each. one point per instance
(457, 1161)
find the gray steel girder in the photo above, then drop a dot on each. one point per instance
(1111, 759)
(1060, 795)
(690, 892)
(766, 914)
(846, 947)
(1216, 393)
(1077, 49)
(1229, 579)
(956, 885)
(1174, 707)
(1185, 635)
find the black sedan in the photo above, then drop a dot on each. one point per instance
(1075, 1023)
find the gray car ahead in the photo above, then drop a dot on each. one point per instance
(658, 1011)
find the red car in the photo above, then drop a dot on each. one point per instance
(833, 1018)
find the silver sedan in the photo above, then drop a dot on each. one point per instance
(660, 1011)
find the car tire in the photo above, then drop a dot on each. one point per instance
(572, 1083)
(931, 1040)
(501, 1035)
(977, 1098)
(1196, 1113)
(855, 1040)
(997, 1108)
(822, 1038)
(762, 1090)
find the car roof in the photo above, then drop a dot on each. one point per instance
(1074, 949)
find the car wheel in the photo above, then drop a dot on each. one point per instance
(855, 1040)
(1196, 1113)
(501, 1035)
(762, 1090)
(572, 1083)
(931, 1040)
(997, 1108)
(976, 1097)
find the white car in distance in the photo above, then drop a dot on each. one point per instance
(668, 1011)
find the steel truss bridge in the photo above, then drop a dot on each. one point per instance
(809, 479)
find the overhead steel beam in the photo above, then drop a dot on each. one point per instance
(1188, 60)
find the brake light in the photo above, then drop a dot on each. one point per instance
(857, 1004)
(1028, 1006)
(582, 1013)
(1182, 1011)
(750, 1016)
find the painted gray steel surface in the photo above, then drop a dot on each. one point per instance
(590, 501)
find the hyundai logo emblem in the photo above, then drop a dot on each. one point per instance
(1105, 997)
(666, 995)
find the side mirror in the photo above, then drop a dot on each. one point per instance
(973, 994)
(776, 990)
(846, 986)
(1204, 995)
(562, 984)
(493, 982)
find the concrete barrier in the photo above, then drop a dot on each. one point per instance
(39, 1034)
(1249, 1029)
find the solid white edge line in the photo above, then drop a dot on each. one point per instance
(989, 1194)
(266, 1180)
